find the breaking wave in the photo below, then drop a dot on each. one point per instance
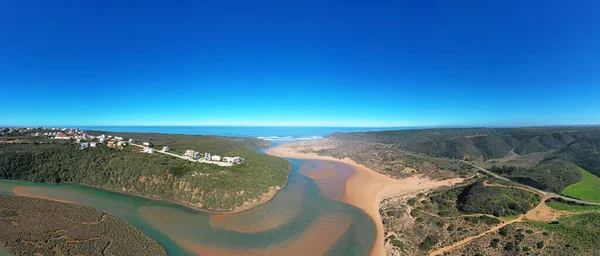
(289, 138)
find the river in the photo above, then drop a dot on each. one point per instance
(307, 217)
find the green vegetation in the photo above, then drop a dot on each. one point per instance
(498, 201)
(580, 232)
(32, 226)
(587, 189)
(551, 174)
(545, 158)
(564, 205)
(429, 242)
(472, 143)
(484, 219)
(583, 152)
(201, 185)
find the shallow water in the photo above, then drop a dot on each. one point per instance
(4, 252)
(307, 217)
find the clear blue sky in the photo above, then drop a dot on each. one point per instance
(312, 62)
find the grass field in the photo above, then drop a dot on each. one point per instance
(564, 206)
(586, 189)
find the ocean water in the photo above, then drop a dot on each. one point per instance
(264, 132)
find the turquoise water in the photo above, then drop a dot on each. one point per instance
(4, 252)
(304, 218)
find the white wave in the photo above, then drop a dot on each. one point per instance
(289, 138)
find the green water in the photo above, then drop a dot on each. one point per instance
(4, 252)
(299, 220)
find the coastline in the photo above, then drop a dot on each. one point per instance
(366, 188)
(250, 206)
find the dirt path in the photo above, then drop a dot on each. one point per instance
(541, 192)
(487, 183)
(540, 213)
(471, 238)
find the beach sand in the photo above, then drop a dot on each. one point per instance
(366, 188)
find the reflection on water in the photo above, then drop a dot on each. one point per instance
(307, 217)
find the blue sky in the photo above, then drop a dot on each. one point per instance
(337, 63)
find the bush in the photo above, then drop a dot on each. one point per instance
(397, 243)
(498, 201)
(415, 213)
(503, 231)
(509, 246)
(429, 242)
(540, 245)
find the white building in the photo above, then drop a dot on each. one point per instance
(166, 148)
(148, 150)
(131, 140)
(215, 158)
(62, 136)
(92, 144)
(121, 144)
(233, 159)
(192, 153)
(146, 144)
(84, 145)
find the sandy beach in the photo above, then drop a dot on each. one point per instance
(366, 188)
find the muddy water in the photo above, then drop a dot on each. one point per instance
(307, 217)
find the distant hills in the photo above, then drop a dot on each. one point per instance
(565, 147)
(488, 143)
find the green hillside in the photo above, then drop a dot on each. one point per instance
(587, 189)
(156, 175)
(487, 143)
(498, 201)
(565, 148)
(552, 174)
(584, 152)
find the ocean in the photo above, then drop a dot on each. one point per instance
(275, 133)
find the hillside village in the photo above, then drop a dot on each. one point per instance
(87, 141)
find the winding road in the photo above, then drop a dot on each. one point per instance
(187, 158)
(545, 193)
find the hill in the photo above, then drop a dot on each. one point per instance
(473, 143)
(201, 185)
(546, 158)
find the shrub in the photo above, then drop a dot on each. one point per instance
(429, 242)
(503, 231)
(415, 213)
(540, 244)
(509, 246)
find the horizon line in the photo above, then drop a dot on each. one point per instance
(314, 126)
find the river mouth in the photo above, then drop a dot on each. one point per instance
(307, 217)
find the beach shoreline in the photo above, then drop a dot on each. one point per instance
(366, 188)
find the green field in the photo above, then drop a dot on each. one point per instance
(586, 189)
(562, 205)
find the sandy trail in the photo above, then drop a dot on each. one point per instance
(471, 238)
(366, 188)
(540, 213)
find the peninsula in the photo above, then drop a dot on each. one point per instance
(112, 161)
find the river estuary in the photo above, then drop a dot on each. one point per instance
(307, 217)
